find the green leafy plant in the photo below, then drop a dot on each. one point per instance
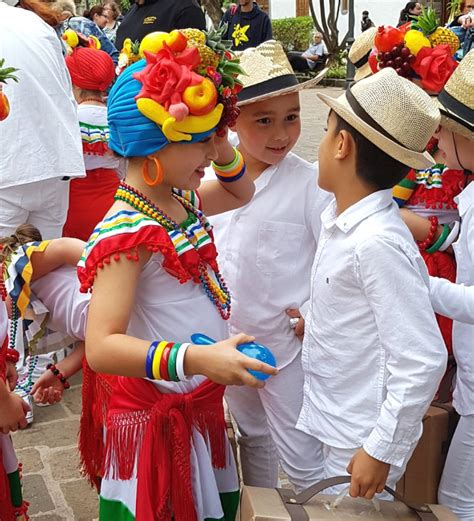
(293, 33)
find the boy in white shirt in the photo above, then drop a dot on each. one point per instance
(373, 355)
(266, 250)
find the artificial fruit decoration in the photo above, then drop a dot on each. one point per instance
(415, 40)
(387, 38)
(429, 23)
(6, 73)
(201, 98)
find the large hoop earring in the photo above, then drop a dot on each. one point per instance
(159, 171)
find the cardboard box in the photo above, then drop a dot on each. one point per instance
(420, 482)
(264, 504)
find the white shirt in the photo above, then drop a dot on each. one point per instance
(457, 301)
(373, 355)
(266, 249)
(40, 138)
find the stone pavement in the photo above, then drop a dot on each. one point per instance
(47, 449)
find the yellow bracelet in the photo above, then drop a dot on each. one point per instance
(157, 359)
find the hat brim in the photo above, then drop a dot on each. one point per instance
(448, 121)
(362, 72)
(288, 90)
(411, 158)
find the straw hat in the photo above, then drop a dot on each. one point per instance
(360, 52)
(269, 74)
(392, 113)
(456, 100)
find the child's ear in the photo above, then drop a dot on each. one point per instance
(344, 144)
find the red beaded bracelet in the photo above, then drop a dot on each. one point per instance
(12, 355)
(429, 239)
(60, 375)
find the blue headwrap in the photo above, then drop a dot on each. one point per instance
(131, 133)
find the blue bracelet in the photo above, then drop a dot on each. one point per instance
(231, 179)
(149, 359)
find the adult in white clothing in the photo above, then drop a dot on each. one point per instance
(41, 142)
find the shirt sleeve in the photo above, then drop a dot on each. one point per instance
(415, 356)
(191, 17)
(267, 30)
(452, 300)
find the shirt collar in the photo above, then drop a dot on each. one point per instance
(465, 199)
(356, 213)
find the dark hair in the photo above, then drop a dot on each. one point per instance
(373, 165)
(365, 13)
(96, 10)
(44, 10)
(114, 8)
(405, 15)
(23, 234)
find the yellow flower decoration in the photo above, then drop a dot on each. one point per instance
(240, 34)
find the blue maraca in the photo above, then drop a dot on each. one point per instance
(251, 349)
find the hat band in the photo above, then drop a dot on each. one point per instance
(366, 118)
(268, 86)
(362, 61)
(456, 110)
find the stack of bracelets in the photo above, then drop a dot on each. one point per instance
(444, 241)
(232, 171)
(165, 361)
(59, 375)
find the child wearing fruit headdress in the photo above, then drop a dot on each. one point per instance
(267, 250)
(429, 62)
(92, 71)
(152, 264)
(456, 300)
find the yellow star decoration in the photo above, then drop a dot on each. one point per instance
(240, 34)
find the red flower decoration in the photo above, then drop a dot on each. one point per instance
(167, 75)
(434, 66)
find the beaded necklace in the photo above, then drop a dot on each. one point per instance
(218, 293)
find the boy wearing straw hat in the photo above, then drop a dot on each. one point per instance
(456, 301)
(372, 353)
(267, 249)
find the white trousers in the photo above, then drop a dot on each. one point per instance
(336, 461)
(456, 490)
(43, 204)
(266, 420)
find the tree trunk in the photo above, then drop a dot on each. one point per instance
(213, 8)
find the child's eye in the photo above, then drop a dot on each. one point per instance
(292, 117)
(325, 129)
(264, 121)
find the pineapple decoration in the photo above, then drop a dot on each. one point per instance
(429, 24)
(6, 73)
(129, 54)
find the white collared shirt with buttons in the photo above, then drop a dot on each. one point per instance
(373, 355)
(457, 302)
(266, 249)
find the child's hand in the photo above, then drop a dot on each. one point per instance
(299, 326)
(47, 389)
(223, 364)
(13, 411)
(11, 375)
(369, 475)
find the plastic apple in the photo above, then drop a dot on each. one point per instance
(177, 41)
(200, 98)
(373, 61)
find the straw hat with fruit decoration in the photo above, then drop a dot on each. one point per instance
(268, 73)
(183, 90)
(392, 113)
(456, 100)
(360, 52)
